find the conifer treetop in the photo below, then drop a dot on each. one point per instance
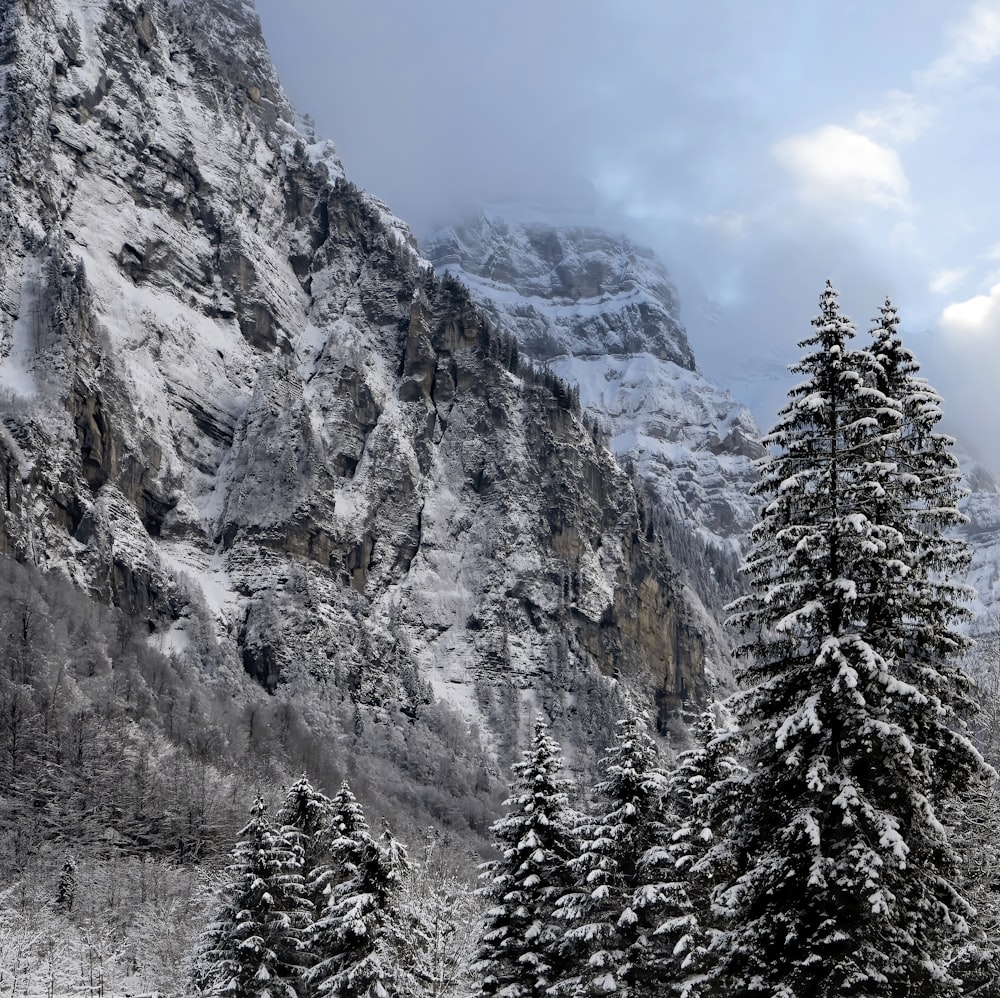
(252, 948)
(523, 952)
(841, 868)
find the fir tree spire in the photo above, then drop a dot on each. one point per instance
(844, 872)
(305, 818)
(705, 790)
(523, 952)
(352, 941)
(628, 911)
(251, 950)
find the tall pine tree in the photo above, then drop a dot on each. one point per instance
(306, 818)
(705, 791)
(252, 948)
(353, 942)
(523, 952)
(628, 916)
(844, 872)
(916, 610)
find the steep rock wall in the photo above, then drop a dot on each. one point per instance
(228, 377)
(602, 313)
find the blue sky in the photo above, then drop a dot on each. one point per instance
(758, 147)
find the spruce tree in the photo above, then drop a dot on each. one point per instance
(306, 818)
(844, 872)
(705, 790)
(628, 911)
(66, 889)
(352, 942)
(523, 952)
(916, 611)
(251, 950)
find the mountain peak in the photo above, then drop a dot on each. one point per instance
(596, 293)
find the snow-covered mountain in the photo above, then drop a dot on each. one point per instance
(235, 398)
(603, 314)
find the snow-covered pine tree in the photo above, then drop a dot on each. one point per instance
(916, 611)
(351, 942)
(251, 949)
(66, 889)
(343, 841)
(523, 951)
(920, 612)
(306, 818)
(625, 883)
(844, 872)
(704, 791)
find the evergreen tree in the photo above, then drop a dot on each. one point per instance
(919, 613)
(845, 873)
(306, 818)
(915, 611)
(523, 952)
(66, 889)
(251, 950)
(628, 912)
(704, 790)
(353, 940)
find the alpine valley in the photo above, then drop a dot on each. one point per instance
(323, 500)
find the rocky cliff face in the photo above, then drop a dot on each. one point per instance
(231, 387)
(566, 289)
(603, 314)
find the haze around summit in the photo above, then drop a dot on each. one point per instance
(758, 148)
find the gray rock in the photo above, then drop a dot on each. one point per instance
(228, 376)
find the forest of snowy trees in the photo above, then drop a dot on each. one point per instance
(828, 831)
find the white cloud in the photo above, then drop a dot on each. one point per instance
(945, 281)
(729, 223)
(837, 168)
(978, 316)
(900, 119)
(974, 42)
